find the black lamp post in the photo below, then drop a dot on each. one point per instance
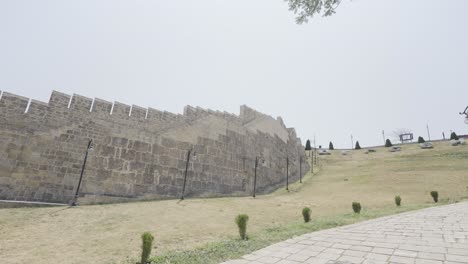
(300, 169)
(287, 174)
(312, 165)
(88, 149)
(315, 156)
(186, 170)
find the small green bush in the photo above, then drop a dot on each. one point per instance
(330, 146)
(453, 136)
(388, 143)
(357, 145)
(146, 246)
(435, 196)
(308, 147)
(398, 200)
(306, 214)
(241, 221)
(356, 207)
(421, 140)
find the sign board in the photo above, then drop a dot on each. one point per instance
(406, 137)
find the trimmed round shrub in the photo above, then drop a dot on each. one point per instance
(146, 246)
(308, 147)
(421, 140)
(357, 207)
(241, 221)
(397, 200)
(388, 143)
(306, 214)
(357, 145)
(435, 196)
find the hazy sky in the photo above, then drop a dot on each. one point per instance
(375, 65)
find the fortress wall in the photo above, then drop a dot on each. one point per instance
(154, 114)
(80, 103)
(13, 105)
(37, 109)
(120, 110)
(12, 108)
(42, 151)
(138, 112)
(101, 107)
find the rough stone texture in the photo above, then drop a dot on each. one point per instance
(139, 153)
(436, 235)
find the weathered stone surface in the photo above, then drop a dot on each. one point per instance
(454, 142)
(394, 149)
(138, 153)
(426, 145)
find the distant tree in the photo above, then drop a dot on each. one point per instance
(305, 9)
(421, 140)
(308, 147)
(388, 143)
(330, 146)
(357, 145)
(454, 136)
(320, 146)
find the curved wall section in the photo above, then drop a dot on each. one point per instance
(139, 153)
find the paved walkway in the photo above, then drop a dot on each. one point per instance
(437, 235)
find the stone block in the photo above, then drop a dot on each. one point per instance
(80, 103)
(168, 161)
(139, 146)
(128, 154)
(121, 110)
(106, 151)
(166, 180)
(115, 164)
(136, 166)
(119, 142)
(103, 174)
(168, 143)
(101, 107)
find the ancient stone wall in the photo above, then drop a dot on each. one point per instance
(138, 153)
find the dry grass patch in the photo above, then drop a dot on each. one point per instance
(111, 233)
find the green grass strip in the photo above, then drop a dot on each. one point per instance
(217, 252)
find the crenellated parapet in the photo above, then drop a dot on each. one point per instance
(101, 107)
(66, 106)
(80, 103)
(13, 104)
(139, 153)
(37, 108)
(138, 112)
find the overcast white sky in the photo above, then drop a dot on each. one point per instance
(375, 65)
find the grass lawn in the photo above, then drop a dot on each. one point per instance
(203, 230)
(217, 252)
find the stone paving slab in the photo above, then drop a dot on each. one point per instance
(437, 235)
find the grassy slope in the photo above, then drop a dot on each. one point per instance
(233, 248)
(111, 233)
